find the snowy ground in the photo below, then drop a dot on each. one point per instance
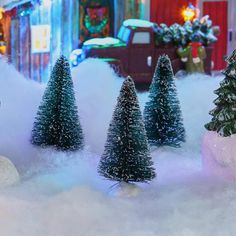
(63, 195)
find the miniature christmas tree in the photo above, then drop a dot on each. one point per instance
(224, 116)
(57, 122)
(126, 157)
(162, 114)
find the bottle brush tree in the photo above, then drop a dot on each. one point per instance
(57, 122)
(162, 114)
(126, 157)
(224, 114)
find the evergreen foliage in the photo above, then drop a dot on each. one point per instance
(57, 122)
(126, 156)
(181, 35)
(162, 114)
(224, 114)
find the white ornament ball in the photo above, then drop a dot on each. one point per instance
(8, 172)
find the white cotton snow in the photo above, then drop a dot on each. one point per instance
(219, 154)
(102, 41)
(138, 23)
(66, 196)
(97, 88)
(19, 100)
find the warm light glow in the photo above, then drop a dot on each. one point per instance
(1, 12)
(40, 38)
(189, 13)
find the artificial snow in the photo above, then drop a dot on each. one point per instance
(138, 23)
(96, 91)
(102, 41)
(19, 101)
(219, 154)
(62, 194)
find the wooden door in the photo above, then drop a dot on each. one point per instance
(218, 12)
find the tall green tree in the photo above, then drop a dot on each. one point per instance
(57, 121)
(162, 114)
(224, 114)
(126, 156)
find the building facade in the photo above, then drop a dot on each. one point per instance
(38, 31)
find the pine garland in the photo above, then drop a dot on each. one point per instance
(95, 28)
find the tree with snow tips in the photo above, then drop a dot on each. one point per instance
(126, 157)
(57, 122)
(162, 114)
(224, 114)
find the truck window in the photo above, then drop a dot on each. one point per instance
(141, 38)
(120, 33)
(124, 34)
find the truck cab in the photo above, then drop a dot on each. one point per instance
(132, 53)
(140, 44)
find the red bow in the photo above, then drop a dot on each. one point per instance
(195, 46)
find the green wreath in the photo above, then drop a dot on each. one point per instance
(97, 28)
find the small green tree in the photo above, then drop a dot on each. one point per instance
(162, 114)
(224, 114)
(57, 122)
(126, 157)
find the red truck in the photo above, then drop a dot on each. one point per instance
(134, 51)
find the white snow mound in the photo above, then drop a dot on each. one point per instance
(8, 172)
(219, 154)
(138, 23)
(102, 41)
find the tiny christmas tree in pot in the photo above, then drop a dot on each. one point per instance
(57, 122)
(162, 114)
(126, 157)
(219, 143)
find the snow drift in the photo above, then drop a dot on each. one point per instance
(96, 94)
(67, 197)
(219, 154)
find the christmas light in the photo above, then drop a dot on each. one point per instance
(1, 12)
(189, 13)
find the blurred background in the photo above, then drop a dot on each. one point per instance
(33, 33)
